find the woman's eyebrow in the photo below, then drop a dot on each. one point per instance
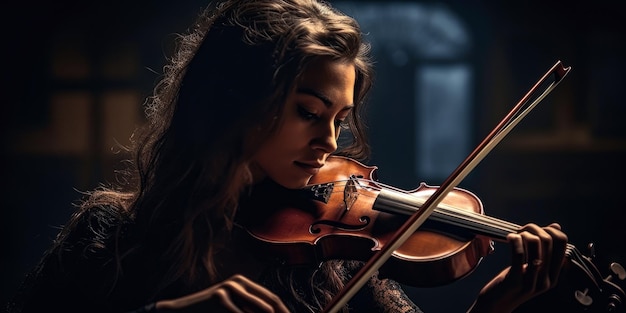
(327, 102)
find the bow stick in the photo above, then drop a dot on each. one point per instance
(535, 95)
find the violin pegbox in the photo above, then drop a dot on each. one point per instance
(617, 296)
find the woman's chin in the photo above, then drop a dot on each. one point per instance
(294, 183)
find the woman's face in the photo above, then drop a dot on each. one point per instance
(310, 125)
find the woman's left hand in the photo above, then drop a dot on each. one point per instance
(537, 258)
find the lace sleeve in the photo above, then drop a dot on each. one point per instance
(389, 296)
(386, 295)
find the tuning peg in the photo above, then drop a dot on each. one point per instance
(615, 300)
(583, 298)
(591, 247)
(615, 303)
(617, 270)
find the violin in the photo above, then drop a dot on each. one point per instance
(342, 215)
(345, 213)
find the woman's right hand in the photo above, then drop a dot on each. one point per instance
(235, 294)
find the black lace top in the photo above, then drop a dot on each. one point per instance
(79, 275)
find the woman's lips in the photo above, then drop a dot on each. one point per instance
(309, 168)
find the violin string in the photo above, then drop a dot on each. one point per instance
(580, 259)
(477, 222)
(506, 227)
(480, 222)
(466, 219)
(456, 216)
(446, 213)
(497, 227)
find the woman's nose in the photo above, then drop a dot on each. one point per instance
(326, 140)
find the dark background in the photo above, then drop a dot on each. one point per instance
(75, 74)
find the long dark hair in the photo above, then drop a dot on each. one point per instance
(213, 108)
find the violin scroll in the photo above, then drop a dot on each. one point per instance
(582, 287)
(615, 299)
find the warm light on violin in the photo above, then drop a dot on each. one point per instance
(346, 214)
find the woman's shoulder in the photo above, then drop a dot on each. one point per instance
(88, 242)
(79, 267)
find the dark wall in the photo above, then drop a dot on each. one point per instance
(564, 162)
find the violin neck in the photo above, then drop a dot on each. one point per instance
(395, 202)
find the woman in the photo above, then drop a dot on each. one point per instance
(257, 92)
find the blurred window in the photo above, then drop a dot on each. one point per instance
(433, 45)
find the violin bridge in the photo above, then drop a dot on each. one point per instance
(350, 193)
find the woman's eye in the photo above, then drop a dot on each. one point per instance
(343, 124)
(305, 114)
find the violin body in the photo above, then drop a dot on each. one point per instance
(339, 221)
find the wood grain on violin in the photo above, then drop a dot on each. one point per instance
(337, 217)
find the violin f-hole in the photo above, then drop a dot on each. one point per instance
(365, 221)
